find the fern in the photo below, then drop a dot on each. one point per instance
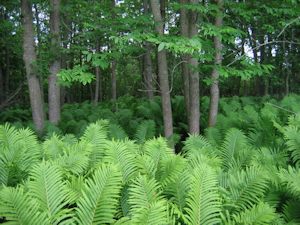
(47, 187)
(235, 141)
(196, 145)
(246, 188)
(145, 131)
(19, 208)
(117, 153)
(291, 177)
(291, 212)
(204, 203)
(117, 132)
(53, 147)
(100, 196)
(292, 135)
(261, 213)
(147, 204)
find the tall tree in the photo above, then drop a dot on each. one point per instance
(29, 56)
(194, 103)
(163, 72)
(55, 64)
(214, 88)
(148, 62)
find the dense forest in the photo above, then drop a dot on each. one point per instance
(149, 112)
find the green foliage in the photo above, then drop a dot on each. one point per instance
(244, 174)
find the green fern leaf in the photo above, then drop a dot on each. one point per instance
(100, 196)
(96, 134)
(292, 135)
(291, 212)
(147, 204)
(47, 187)
(235, 140)
(292, 178)
(19, 208)
(53, 147)
(196, 145)
(117, 153)
(203, 201)
(247, 187)
(261, 213)
(145, 131)
(117, 132)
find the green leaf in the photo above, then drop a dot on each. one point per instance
(161, 46)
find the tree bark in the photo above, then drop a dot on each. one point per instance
(214, 88)
(163, 73)
(194, 104)
(40, 71)
(148, 62)
(7, 69)
(184, 31)
(29, 56)
(114, 79)
(55, 64)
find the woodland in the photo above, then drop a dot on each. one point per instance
(149, 112)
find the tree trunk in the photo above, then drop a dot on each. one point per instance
(194, 104)
(7, 70)
(40, 72)
(214, 88)
(29, 56)
(98, 90)
(1, 82)
(114, 79)
(163, 73)
(287, 77)
(184, 25)
(55, 64)
(63, 90)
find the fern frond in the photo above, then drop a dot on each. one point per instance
(146, 166)
(116, 132)
(196, 145)
(291, 177)
(170, 169)
(19, 208)
(261, 213)
(47, 187)
(213, 162)
(96, 134)
(145, 131)
(178, 190)
(214, 136)
(117, 153)
(100, 196)
(291, 211)
(158, 149)
(53, 147)
(292, 135)
(247, 187)
(146, 200)
(8, 136)
(204, 204)
(235, 140)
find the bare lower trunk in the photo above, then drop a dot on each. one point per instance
(1, 83)
(55, 65)
(114, 80)
(214, 88)
(98, 77)
(245, 88)
(148, 72)
(194, 104)
(185, 57)
(7, 70)
(29, 56)
(163, 73)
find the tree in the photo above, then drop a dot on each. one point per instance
(163, 72)
(55, 64)
(214, 87)
(29, 56)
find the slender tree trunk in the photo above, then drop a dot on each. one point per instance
(287, 77)
(184, 26)
(1, 82)
(97, 88)
(66, 34)
(7, 70)
(55, 64)
(163, 73)
(214, 88)
(40, 72)
(194, 104)
(29, 56)
(245, 88)
(114, 79)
